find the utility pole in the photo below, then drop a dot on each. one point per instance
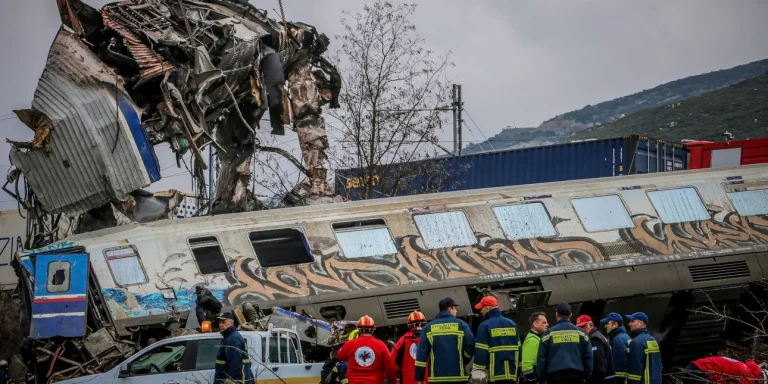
(458, 106)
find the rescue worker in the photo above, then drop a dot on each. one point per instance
(497, 344)
(233, 365)
(206, 305)
(565, 353)
(644, 359)
(722, 370)
(335, 371)
(450, 343)
(368, 359)
(614, 325)
(4, 376)
(539, 325)
(404, 352)
(602, 360)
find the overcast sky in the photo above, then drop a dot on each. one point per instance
(519, 62)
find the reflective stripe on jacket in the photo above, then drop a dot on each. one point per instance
(564, 347)
(497, 347)
(644, 360)
(620, 350)
(448, 341)
(530, 353)
(232, 361)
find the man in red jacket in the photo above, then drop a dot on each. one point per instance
(722, 370)
(368, 359)
(405, 349)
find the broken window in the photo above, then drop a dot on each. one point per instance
(125, 266)
(678, 205)
(278, 247)
(525, 221)
(58, 276)
(445, 229)
(364, 238)
(602, 213)
(750, 203)
(208, 255)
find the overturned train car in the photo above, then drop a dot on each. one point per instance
(665, 244)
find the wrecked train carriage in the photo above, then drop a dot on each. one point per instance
(189, 73)
(663, 244)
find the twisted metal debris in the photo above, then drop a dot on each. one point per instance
(190, 73)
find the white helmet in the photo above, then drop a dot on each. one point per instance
(3, 363)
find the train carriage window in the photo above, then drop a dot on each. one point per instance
(364, 238)
(445, 229)
(602, 213)
(208, 255)
(524, 221)
(125, 266)
(278, 247)
(678, 205)
(750, 203)
(59, 273)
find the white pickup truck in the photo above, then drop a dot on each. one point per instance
(276, 357)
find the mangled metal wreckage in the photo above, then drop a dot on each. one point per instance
(139, 73)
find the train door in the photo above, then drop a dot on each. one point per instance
(59, 302)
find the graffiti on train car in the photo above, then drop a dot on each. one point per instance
(332, 273)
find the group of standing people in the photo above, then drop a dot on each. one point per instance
(439, 351)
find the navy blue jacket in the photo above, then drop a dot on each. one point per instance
(564, 347)
(232, 361)
(620, 350)
(449, 341)
(497, 347)
(602, 359)
(644, 360)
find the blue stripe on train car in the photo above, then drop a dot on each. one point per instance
(40, 306)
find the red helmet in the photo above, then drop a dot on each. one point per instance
(416, 318)
(366, 322)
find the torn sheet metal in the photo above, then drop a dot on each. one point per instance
(99, 149)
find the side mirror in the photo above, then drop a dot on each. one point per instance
(124, 371)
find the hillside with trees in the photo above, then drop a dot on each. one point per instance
(741, 109)
(559, 128)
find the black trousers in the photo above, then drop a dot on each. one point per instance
(565, 377)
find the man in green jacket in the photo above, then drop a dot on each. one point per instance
(538, 321)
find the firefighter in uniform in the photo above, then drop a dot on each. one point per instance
(446, 347)
(614, 324)
(497, 345)
(404, 352)
(233, 364)
(565, 353)
(368, 359)
(644, 359)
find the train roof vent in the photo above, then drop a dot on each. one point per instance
(401, 308)
(629, 247)
(719, 271)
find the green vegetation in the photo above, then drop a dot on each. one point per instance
(560, 128)
(741, 109)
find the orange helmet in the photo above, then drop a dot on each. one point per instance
(416, 318)
(366, 322)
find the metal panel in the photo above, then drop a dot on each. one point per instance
(355, 309)
(570, 287)
(655, 306)
(560, 162)
(396, 308)
(726, 158)
(59, 305)
(762, 259)
(429, 300)
(99, 148)
(687, 280)
(629, 281)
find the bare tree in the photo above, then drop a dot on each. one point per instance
(393, 91)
